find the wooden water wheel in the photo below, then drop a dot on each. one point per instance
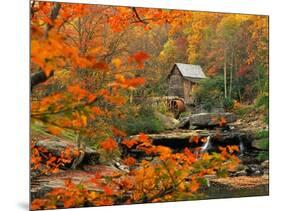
(177, 106)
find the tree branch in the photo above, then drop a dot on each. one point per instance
(54, 14)
(137, 16)
(39, 76)
(32, 9)
(67, 109)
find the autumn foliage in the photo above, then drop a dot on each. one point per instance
(45, 162)
(168, 177)
(92, 66)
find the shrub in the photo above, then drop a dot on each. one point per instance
(228, 103)
(262, 103)
(263, 143)
(262, 156)
(262, 134)
(209, 93)
(142, 121)
(162, 107)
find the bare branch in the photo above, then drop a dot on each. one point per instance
(137, 16)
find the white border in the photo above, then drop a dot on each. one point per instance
(14, 116)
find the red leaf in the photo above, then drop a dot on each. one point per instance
(130, 161)
(139, 58)
(108, 190)
(109, 144)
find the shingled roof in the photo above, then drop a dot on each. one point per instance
(190, 71)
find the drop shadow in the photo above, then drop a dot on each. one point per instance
(23, 205)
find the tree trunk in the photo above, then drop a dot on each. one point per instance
(53, 15)
(39, 77)
(131, 96)
(81, 147)
(231, 74)
(224, 74)
(238, 82)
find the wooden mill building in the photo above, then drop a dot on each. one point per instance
(182, 78)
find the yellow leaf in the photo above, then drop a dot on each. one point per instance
(117, 62)
(119, 78)
(54, 130)
(84, 120)
(93, 195)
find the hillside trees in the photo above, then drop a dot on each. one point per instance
(230, 45)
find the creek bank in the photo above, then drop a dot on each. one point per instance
(240, 186)
(44, 184)
(56, 146)
(222, 129)
(206, 120)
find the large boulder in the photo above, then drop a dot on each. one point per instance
(169, 123)
(184, 123)
(56, 146)
(211, 119)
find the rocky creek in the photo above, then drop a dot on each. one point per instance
(218, 130)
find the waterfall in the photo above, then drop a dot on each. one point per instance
(207, 145)
(241, 146)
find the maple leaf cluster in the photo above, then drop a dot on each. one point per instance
(170, 175)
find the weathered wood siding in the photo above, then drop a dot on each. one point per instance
(176, 83)
(187, 86)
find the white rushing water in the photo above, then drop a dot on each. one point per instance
(207, 145)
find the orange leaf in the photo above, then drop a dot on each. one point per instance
(77, 91)
(139, 58)
(232, 148)
(130, 161)
(109, 144)
(194, 139)
(222, 122)
(204, 139)
(54, 130)
(164, 152)
(51, 160)
(189, 155)
(38, 204)
(134, 82)
(129, 143)
(194, 186)
(143, 137)
(92, 97)
(108, 190)
(97, 110)
(69, 202)
(117, 132)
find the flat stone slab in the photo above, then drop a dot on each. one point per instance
(242, 182)
(211, 119)
(240, 186)
(44, 184)
(56, 146)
